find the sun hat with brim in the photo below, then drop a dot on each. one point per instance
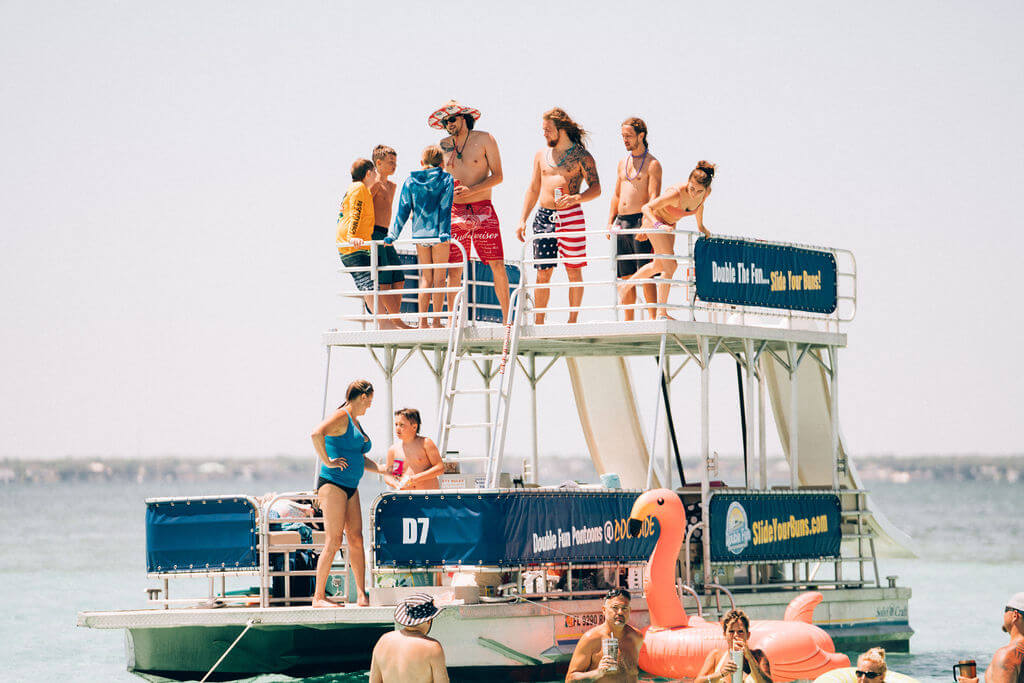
(450, 108)
(416, 609)
(1017, 602)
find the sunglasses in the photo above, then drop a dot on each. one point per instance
(870, 675)
(1013, 609)
(448, 119)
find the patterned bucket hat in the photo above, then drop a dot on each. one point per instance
(416, 609)
(451, 108)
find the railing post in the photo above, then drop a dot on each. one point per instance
(705, 454)
(794, 419)
(837, 460)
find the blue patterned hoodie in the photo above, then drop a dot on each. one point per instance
(426, 195)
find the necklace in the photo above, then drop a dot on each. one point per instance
(560, 161)
(643, 160)
(455, 146)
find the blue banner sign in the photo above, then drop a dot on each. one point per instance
(200, 535)
(752, 527)
(773, 276)
(507, 528)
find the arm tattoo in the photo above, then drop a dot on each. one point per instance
(579, 165)
(447, 144)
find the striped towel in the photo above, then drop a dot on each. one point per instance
(571, 246)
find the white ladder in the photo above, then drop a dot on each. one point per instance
(457, 354)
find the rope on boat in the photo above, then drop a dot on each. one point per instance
(248, 625)
(520, 598)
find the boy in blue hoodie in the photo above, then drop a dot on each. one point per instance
(427, 198)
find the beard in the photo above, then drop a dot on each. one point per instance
(551, 143)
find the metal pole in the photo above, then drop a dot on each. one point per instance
(762, 440)
(437, 370)
(657, 415)
(389, 394)
(794, 420)
(534, 442)
(833, 358)
(705, 453)
(668, 440)
(327, 381)
(487, 408)
(748, 354)
(614, 276)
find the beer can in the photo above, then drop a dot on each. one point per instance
(610, 648)
(558, 193)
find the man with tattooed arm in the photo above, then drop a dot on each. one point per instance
(559, 171)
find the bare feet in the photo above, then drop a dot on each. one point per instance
(319, 602)
(363, 600)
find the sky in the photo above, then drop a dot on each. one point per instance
(172, 174)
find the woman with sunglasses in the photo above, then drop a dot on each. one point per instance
(719, 665)
(871, 666)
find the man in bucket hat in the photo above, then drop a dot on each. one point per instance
(408, 655)
(472, 157)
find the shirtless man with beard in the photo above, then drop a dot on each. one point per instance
(558, 174)
(472, 157)
(637, 181)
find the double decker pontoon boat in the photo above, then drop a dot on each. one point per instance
(524, 565)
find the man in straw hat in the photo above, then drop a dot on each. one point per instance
(1008, 662)
(408, 655)
(472, 157)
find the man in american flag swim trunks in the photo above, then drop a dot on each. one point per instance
(558, 173)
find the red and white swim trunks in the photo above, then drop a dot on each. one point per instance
(476, 225)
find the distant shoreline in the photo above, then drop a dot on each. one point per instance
(889, 468)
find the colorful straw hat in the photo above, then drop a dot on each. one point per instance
(451, 108)
(416, 609)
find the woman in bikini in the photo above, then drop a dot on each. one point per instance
(342, 446)
(662, 214)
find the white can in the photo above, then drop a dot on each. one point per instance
(737, 659)
(610, 648)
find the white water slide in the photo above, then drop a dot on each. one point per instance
(615, 437)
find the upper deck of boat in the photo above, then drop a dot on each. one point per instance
(604, 338)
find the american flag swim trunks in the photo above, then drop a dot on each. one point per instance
(567, 242)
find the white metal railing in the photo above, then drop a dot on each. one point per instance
(377, 295)
(601, 295)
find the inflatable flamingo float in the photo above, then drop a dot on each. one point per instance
(676, 645)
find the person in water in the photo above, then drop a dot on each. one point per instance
(589, 662)
(342, 446)
(1007, 664)
(719, 667)
(660, 217)
(637, 181)
(472, 157)
(427, 197)
(871, 666)
(558, 174)
(414, 460)
(409, 655)
(385, 160)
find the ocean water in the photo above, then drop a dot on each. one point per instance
(70, 547)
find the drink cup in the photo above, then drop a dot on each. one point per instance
(968, 668)
(737, 659)
(610, 648)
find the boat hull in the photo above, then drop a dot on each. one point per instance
(483, 641)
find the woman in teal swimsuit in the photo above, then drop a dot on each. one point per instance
(342, 446)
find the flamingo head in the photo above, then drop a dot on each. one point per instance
(662, 504)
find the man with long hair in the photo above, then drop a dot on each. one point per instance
(472, 157)
(559, 171)
(637, 181)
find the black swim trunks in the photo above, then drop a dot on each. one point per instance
(387, 256)
(349, 490)
(627, 245)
